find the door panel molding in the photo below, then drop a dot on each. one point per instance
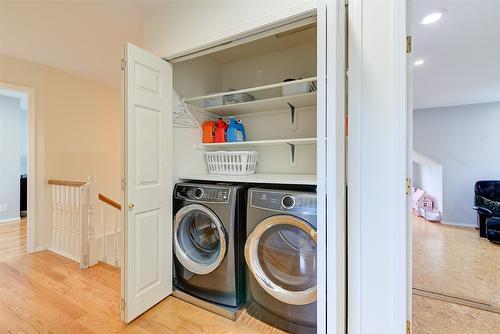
(147, 146)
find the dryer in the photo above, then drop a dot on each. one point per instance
(280, 254)
(209, 235)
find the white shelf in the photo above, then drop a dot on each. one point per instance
(299, 179)
(271, 142)
(276, 103)
(251, 89)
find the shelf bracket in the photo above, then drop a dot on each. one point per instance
(292, 112)
(292, 152)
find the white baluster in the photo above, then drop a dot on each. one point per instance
(83, 220)
(103, 239)
(68, 219)
(64, 226)
(69, 208)
(54, 215)
(91, 223)
(116, 219)
(72, 223)
(59, 218)
(78, 237)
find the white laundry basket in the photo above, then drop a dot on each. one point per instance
(231, 162)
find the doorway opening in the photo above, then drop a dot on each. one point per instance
(455, 204)
(17, 207)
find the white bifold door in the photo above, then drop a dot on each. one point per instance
(147, 270)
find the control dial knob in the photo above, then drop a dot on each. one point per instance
(198, 193)
(288, 201)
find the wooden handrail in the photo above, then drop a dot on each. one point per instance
(67, 183)
(109, 201)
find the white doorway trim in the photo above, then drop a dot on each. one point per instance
(377, 168)
(34, 199)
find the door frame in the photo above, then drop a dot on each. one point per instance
(333, 168)
(35, 200)
(409, 164)
(378, 244)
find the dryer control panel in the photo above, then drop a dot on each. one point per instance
(203, 193)
(289, 202)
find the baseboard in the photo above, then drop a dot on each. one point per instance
(458, 224)
(63, 253)
(40, 248)
(9, 220)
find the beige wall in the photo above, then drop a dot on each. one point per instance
(80, 120)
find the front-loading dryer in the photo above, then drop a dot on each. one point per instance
(280, 254)
(209, 235)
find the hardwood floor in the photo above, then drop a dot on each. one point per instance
(455, 263)
(47, 293)
(12, 238)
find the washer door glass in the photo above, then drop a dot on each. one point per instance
(281, 253)
(200, 242)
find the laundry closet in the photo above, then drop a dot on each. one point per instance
(281, 128)
(266, 82)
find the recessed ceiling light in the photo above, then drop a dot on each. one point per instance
(418, 62)
(431, 18)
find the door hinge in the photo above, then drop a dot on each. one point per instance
(408, 186)
(408, 44)
(408, 327)
(122, 304)
(124, 64)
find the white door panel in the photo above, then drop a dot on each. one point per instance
(147, 270)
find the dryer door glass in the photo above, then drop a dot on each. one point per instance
(288, 257)
(200, 241)
(281, 253)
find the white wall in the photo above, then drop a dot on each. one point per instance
(465, 141)
(295, 62)
(183, 25)
(77, 132)
(23, 133)
(10, 148)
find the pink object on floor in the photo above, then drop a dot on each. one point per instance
(423, 206)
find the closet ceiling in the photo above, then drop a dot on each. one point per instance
(461, 53)
(82, 37)
(273, 43)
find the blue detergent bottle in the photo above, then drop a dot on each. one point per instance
(241, 131)
(235, 131)
(231, 132)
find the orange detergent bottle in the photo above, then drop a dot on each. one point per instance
(208, 132)
(220, 131)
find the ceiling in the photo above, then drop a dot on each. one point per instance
(274, 43)
(461, 53)
(82, 37)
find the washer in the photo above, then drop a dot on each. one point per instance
(280, 254)
(209, 236)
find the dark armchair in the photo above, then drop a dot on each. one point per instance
(486, 203)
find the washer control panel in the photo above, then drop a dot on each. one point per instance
(291, 202)
(203, 193)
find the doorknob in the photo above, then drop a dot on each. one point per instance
(130, 205)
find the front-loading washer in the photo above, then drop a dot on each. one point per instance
(280, 254)
(209, 235)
